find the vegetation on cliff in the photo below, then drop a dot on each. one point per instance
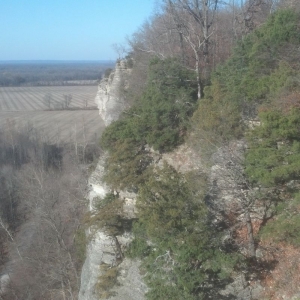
(159, 119)
(263, 66)
(177, 235)
(185, 255)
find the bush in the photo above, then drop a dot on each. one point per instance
(80, 243)
(107, 72)
(273, 157)
(180, 250)
(109, 216)
(160, 117)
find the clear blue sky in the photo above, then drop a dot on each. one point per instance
(68, 29)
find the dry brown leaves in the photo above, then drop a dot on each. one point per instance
(283, 281)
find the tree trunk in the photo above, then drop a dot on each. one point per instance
(119, 253)
(250, 236)
(198, 73)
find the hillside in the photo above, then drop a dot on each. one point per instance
(227, 226)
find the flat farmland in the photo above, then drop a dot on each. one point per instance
(24, 106)
(32, 98)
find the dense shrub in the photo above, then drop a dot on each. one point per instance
(274, 154)
(180, 250)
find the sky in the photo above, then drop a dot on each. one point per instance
(68, 29)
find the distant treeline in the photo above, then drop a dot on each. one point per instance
(52, 73)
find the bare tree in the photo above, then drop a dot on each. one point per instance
(234, 200)
(43, 262)
(194, 20)
(67, 101)
(252, 13)
(47, 100)
(85, 102)
(120, 50)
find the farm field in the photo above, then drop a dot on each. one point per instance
(23, 106)
(31, 98)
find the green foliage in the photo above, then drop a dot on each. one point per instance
(179, 249)
(109, 216)
(166, 204)
(216, 121)
(281, 27)
(197, 183)
(139, 247)
(274, 154)
(129, 62)
(107, 72)
(160, 118)
(286, 225)
(262, 66)
(246, 76)
(127, 166)
(168, 102)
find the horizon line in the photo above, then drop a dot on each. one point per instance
(56, 60)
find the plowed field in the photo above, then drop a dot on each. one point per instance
(24, 106)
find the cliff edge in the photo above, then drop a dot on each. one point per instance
(102, 249)
(109, 98)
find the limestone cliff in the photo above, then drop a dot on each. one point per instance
(102, 248)
(109, 98)
(224, 190)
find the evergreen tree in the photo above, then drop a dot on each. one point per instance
(180, 249)
(274, 154)
(160, 119)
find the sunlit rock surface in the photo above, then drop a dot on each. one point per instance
(102, 248)
(109, 98)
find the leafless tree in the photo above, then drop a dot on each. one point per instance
(85, 102)
(47, 100)
(43, 262)
(234, 200)
(67, 101)
(194, 21)
(120, 49)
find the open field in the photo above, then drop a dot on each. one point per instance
(23, 106)
(31, 98)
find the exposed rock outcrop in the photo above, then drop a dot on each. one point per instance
(226, 187)
(229, 197)
(102, 248)
(109, 98)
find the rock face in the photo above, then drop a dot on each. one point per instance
(102, 249)
(228, 194)
(226, 184)
(183, 159)
(227, 177)
(109, 98)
